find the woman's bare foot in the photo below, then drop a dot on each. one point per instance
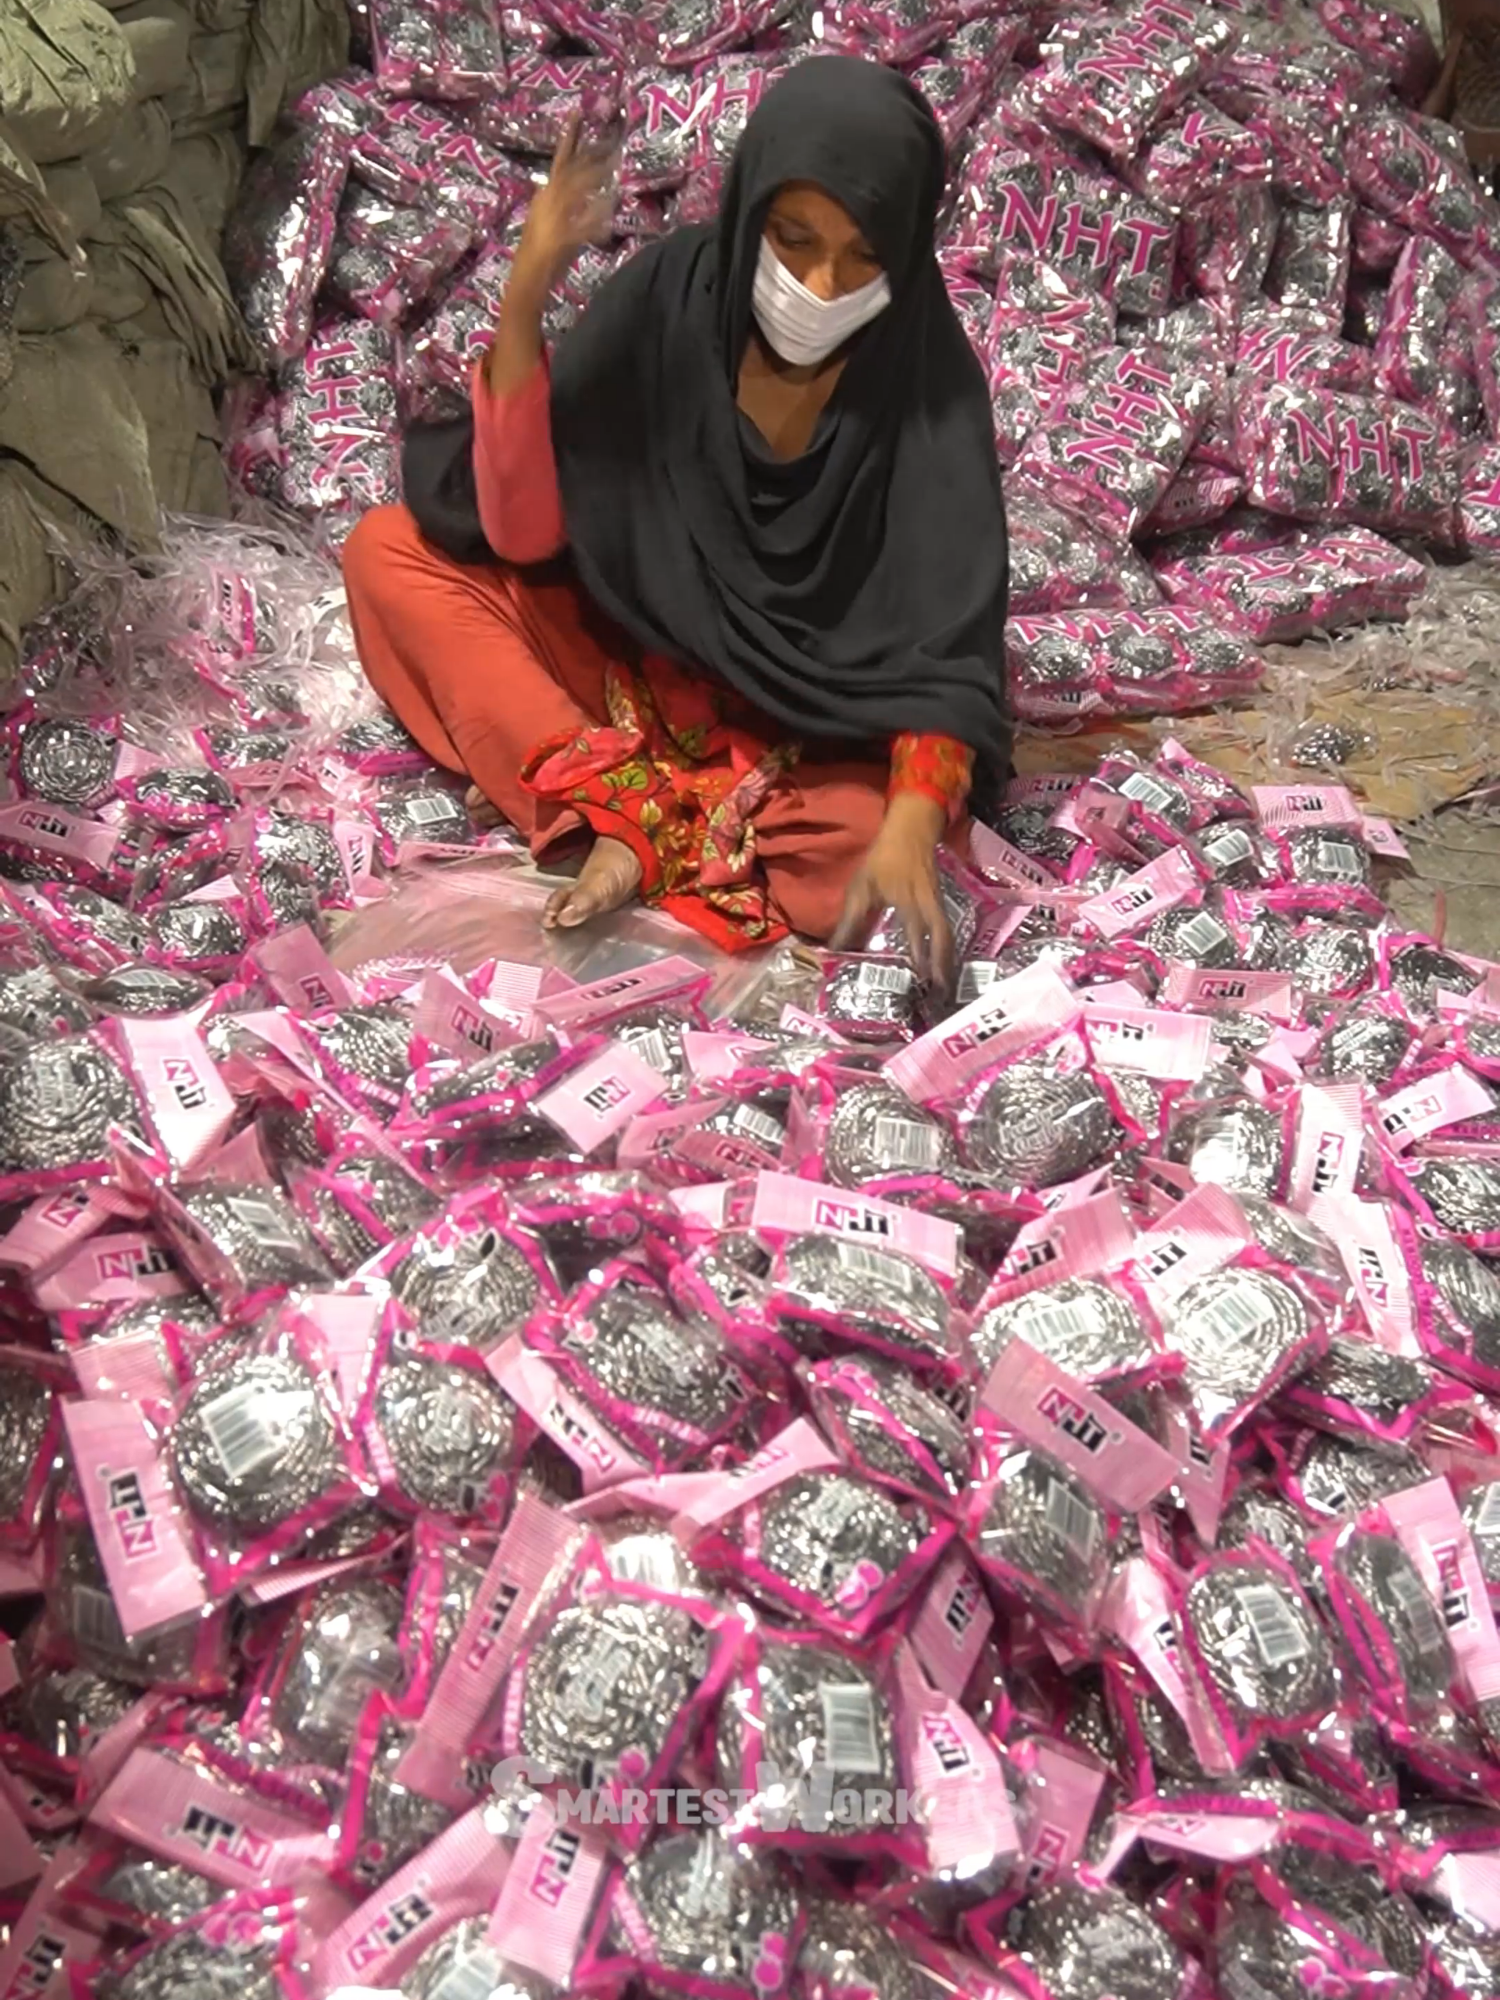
(607, 881)
(483, 811)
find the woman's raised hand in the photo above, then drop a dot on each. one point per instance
(899, 872)
(572, 209)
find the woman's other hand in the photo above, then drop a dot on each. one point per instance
(607, 881)
(900, 872)
(566, 213)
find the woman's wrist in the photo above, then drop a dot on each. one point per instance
(916, 816)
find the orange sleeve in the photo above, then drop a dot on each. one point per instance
(940, 767)
(515, 473)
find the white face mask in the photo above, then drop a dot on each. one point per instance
(803, 328)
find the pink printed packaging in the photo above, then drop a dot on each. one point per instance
(869, 1547)
(142, 1535)
(890, 1430)
(829, 1292)
(1040, 1535)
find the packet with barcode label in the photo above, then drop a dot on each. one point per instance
(871, 999)
(1388, 1619)
(833, 1293)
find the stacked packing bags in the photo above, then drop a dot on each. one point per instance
(123, 132)
(747, 1485)
(1236, 298)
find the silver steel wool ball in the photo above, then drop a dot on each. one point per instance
(1421, 971)
(473, 1291)
(1289, 1236)
(1464, 1195)
(875, 1132)
(146, 990)
(708, 1907)
(198, 932)
(304, 842)
(373, 1043)
(655, 1034)
(846, 1949)
(1095, 1944)
(872, 999)
(255, 1443)
(1043, 1525)
(1037, 1125)
(917, 1414)
(258, 1233)
(166, 1891)
(819, 1712)
(1260, 1641)
(1383, 1574)
(68, 763)
(889, 936)
(1358, 1900)
(606, 1681)
(463, 1965)
(1466, 1959)
(1196, 937)
(449, 1431)
(1470, 1289)
(1337, 1476)
(37, 1005)
(26, 1406)
(1366, 1046)
(643, 1352)
(57, 1103)
(1084, 1326)
(1378, 1385)
(824, 1532)
(877, 1294)
(63, 1713)
(398, 1823)
(1328, 959)
(1324, 856)
(347, 1650)
(1234, 1329)
(188, 1966)
(1238, 1146)
(1482, 1038)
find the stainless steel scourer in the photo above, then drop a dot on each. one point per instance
(820, 1712)
(1464, 1195)
(1421, 971)
(1470, 1289)
(1234, 1328)
(1095, 1944)
(379, 735)
(1081, 1324)
(1385, 1576)
(1328, 856)
(1368, 1046)
(473, 1291)
(306, 842)
(26, 1406)
(392, 1196)
(655, 1035)
(198, 931)
(879, 1294)
(847, 1949)
(185, 786)
(449, 1431)
(872, 998)
(1357, 1899)
(1196, 937)
(1237, 1146)
(1337, 1476)
(254, 1444)
(65, 1712)
(68, 763)
(1482, 1037)
(39, 1006)
(1043, 1523)
(188, 1966)
(463, 1965)
(166, 1891)
(1040, 1123)
(398, 1822)
(607, 1679)
(425, 813)
(1287, 1234)
(930, 1422)
(1327, 959)
(889, 935)
(643, 1352)
(372, 1043)
(347, 1649)
(1260, 1641)
(258, 1231)
(709, 1908)
(1379, 1384)
(103, 917)
(824, 1531)
(875, 1132)
(505, 1069)
(1482, 1519)
(1236, 856)
(146, 990)
(57, 1103)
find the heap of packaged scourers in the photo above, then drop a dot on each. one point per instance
(763, 1485)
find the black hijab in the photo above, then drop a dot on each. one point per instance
(860, 589)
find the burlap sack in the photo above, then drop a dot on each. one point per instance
(66, 74)
(158, 32)
(134, 154)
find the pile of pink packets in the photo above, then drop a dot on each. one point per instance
(778, 1488)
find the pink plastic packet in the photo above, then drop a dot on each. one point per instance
(1283, 346)
(857, 28)
(1116, 662)
(389, 259)
(1309, 267)
(1059, 558)
(1388, 39)
(1111, 92)
(280, 237)
(1396, 169)
(890, 1429)
(542, 93)
(1125, 434)
(1308, 581)
(664, 1384)
(1193, 155)
(442, 1436)
(451, 50)
(1039, 1534)
(337, 421)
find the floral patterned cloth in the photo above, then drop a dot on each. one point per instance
(679, 777)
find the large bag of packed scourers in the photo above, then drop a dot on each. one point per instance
(1317, 454)
(1296, 582)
